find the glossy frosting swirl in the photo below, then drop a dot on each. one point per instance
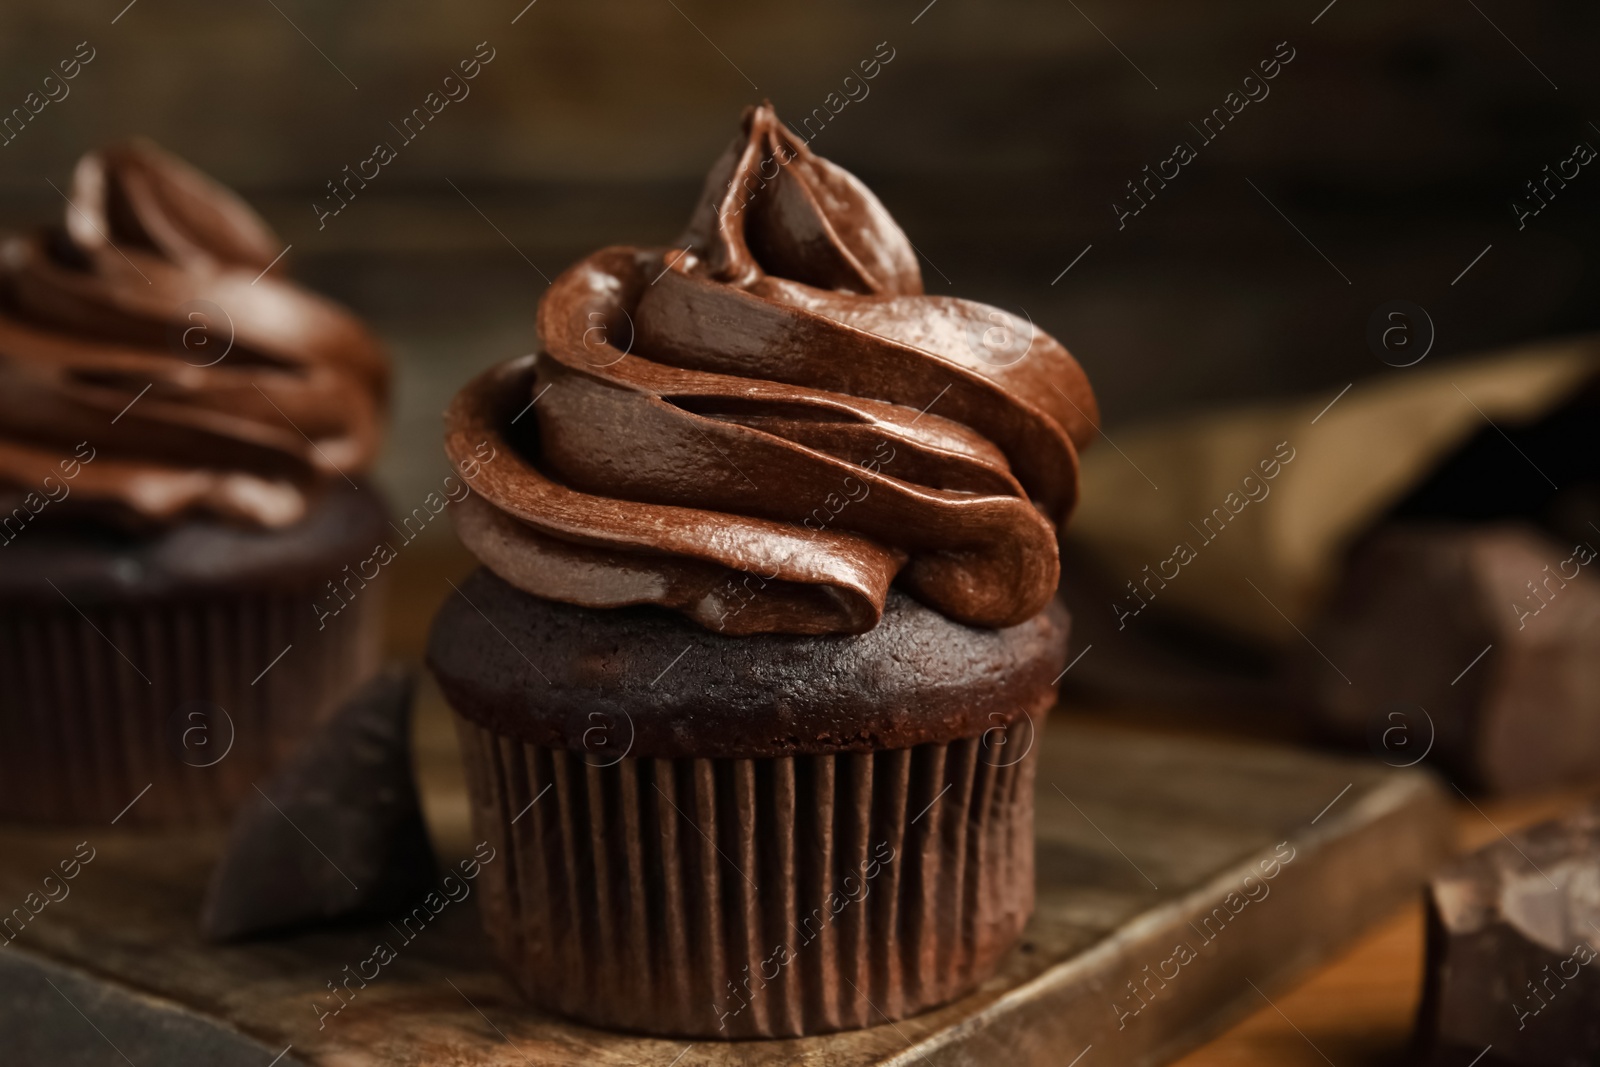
(767, 425)
(156, 324)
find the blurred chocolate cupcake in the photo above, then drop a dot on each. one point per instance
(183, 520)
(749, 683)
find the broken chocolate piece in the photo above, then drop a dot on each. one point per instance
(337, 832)
(1513, 932)
(1493, 632)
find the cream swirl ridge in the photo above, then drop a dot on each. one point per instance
(692, 410)
(156, 322)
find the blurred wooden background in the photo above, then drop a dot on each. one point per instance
(999, 134)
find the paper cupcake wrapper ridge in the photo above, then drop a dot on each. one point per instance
(739, 898)
(195, 698)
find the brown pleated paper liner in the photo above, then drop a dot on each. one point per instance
(168, 694)
(740, 898)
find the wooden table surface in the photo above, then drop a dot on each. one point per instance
(1357, 1011)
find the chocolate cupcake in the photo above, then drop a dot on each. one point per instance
(749, 682)
(183, 436)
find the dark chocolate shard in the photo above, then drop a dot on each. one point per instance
(1478, 644)
(338, 832)
(1512, 961)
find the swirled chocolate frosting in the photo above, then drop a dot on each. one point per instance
(766, 425)
(154, 331)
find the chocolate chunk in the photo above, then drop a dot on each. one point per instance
(1512, 958)
(1481, 641)
(337, 832)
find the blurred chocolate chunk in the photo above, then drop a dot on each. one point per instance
(337, 832)
(1511, 962)
(1478, 645)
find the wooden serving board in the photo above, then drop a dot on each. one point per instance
(1210, 874)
